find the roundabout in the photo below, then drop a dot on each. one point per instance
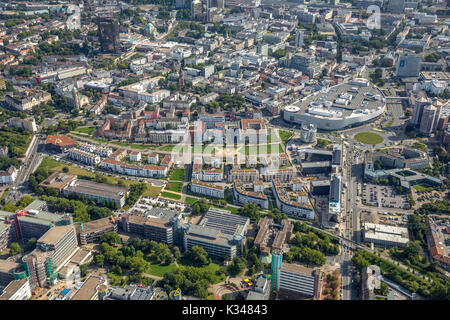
(369, 138)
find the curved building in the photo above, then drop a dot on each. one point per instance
(345, 105)
(308, 132)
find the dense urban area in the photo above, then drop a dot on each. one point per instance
(225, 150)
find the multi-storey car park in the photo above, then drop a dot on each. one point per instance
(345, 105)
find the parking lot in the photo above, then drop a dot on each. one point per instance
(384, 196)
(146, 204)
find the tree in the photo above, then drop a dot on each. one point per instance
(83, 270)
(99, 260)
(31, 244)
(236, 266)
(14, 249)
(200, 207)
(110, 238)
(65, 169)
(377, 165)
(176, 252)
(250, 210)
(199, 256)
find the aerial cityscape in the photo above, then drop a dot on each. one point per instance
(239, 150)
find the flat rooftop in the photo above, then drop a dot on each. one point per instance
(88, 289)
(224, 221)
(358, 97)
(97, 225)
(12, 288)
(80, 255)
(98, 189)
(58, 180)
(55, 234)
(8, 266)
(296, 268)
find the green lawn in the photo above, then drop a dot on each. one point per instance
(48, 163)
(86, 130)
(212, 267)
(174, 186)
(369, 138)
(131, 145)
(166, 148)
(190, 200)
(389, 124)
(285, 136)
(152, 191)
(159, 270)
(421, 188)
(323, 142)
(420, 146)
(178, 175)
(259, 149)
(170, 195)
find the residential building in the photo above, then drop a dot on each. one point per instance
(9, 175)
(246, 196)
(26, 100)
(207, 189)
(59, 143)
(292, 208)
(149, 171)
(108, 29)
(153, 158)
(84, 157)
(135, 156)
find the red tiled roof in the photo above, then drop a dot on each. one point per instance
(60, 140)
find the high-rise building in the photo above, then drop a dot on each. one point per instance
(308, 133)
(277, 259)
(108, 30)
(299, 37)
(301, 280)
(53, 249)
(180, 4)
(396, 6)
(418, 101)
(262, 49)
(430, 118)
(408, 66)
(306, 63)
(196, 10)
(220, 4)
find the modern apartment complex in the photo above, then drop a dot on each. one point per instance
(207, 189)
(249, 196)
(296, 209)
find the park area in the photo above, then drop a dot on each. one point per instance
(368, 138)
